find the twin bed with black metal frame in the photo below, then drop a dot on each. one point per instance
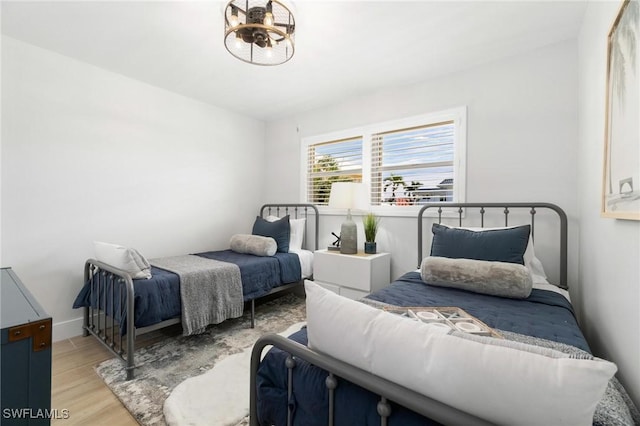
(295, 385)
(110, 297)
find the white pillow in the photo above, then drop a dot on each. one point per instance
(296, 232)
(127, 259)
(500, 381)
(530, 259)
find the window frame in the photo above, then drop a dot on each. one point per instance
(457, 115)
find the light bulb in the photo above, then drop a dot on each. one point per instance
(268, 19)
(269, 51)
(238, 41)
(233, 20)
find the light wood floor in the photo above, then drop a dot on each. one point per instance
(75, 386)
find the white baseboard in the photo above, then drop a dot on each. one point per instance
(67, 329)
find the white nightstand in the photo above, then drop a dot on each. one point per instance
(351, 275)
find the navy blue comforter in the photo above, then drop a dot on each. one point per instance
(260, 273)
(545, 314)
(158, 298)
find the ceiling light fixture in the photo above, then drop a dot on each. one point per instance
(259, 33)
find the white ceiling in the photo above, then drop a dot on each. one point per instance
(343, 48)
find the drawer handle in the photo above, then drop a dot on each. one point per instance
(42, 326)
(17, 333)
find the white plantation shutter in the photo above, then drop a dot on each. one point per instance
(376, 169)
(333, 161)
(405, 162)
(413, 165)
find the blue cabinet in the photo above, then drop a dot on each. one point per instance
(25, 355)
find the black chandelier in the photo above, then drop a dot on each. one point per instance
(259, 33)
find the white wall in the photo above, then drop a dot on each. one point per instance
(91, 155)
(609, 248)
(522, 138)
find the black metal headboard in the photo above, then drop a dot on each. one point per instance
(449, 208)
(297, 211)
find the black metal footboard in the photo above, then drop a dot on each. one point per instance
(338, 370)
(110, 300)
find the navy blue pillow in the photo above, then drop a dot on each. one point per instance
(496, 245)
(278, 230)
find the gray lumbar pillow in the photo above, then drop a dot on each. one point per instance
(480, 276)
(253, 244)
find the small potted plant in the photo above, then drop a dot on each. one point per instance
(370, 222)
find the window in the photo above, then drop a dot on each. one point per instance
(413, 166)
(404, 163)
(328, 162)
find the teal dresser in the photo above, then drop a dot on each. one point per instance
(25, 355)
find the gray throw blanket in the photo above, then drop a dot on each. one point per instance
(211, 290)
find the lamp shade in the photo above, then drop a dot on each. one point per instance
(348, 195)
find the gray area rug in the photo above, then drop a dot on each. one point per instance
(164, 365)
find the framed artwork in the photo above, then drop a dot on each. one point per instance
(621, 180)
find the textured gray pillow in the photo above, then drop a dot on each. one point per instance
(480, 276)
(253, 244)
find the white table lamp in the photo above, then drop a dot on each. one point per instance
(348, 195)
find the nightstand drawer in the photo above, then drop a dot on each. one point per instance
(360, 271)
(330, 287)
(342, 291)
(352, 294)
